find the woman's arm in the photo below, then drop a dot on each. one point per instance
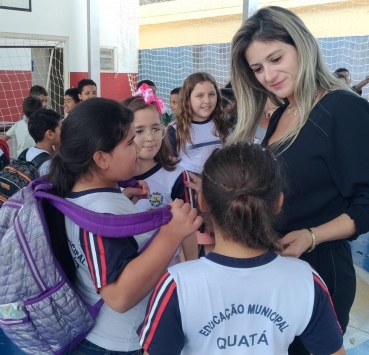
(141, 274)
(298, 242)
(340, 352)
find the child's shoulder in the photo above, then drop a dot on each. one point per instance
(185, 267)
(103, 201)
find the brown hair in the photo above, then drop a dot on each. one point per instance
(184, 111)
(165, 154)
(241, 184)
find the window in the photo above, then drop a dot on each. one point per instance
(107, 59)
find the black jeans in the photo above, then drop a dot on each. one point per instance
(88, 348)
(333, 262)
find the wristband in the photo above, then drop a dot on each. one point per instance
(313, 245)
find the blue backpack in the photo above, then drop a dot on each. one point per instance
(40, 311)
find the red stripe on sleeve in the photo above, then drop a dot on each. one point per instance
(152, 299)
(88, 257)
(325, 289)
(160, 312)
(102, 260)
(186, 196)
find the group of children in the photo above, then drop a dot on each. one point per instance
(241, 297)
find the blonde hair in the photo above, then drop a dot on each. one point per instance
(313, 78)
(184, 111)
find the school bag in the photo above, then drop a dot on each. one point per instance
(4, 154)
(40, 311)
(19, 173)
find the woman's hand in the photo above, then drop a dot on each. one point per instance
(138, 193)
(296, 243)
(195, 183)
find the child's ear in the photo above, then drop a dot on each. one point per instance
(202, 204)
(100, 159)
(49, 134)
(279, 203)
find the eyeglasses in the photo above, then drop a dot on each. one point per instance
(156, 133)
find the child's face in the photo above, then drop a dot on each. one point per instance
(203, 101)
(174, 103)
(149, 132)
(56, 139)
(88, 92)
(43, 99)
(123, 161)
(69, 103)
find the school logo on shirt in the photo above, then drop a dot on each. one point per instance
(156, 199)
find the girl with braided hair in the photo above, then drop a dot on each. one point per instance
(242, 298)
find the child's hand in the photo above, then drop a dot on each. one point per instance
(195, 183)
(184, 222)
(136, 194)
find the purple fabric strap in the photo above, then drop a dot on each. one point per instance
(113, 226)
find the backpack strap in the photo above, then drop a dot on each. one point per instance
(113, 226)
(40, 159)
(37, 161)
(22, 156)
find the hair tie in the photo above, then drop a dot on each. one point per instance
(149, 97)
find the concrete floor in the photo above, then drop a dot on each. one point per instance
(356, 339)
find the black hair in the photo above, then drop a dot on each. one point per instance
(225, 102)
(30, 105)
(84, 82)
(339, 75)
(175, 91)
(145, 81)
(228, 93)
(93, 125)
(37, 90)
(340, 70)
(41, 121)
(241, 184)
(73, 93)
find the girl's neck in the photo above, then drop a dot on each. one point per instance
(92, 181)
(197, 119)
(146, 165)
(228, 247)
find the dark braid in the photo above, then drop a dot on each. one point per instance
(241, 184)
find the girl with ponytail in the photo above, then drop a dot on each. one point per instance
(97, 151)
(243, 297)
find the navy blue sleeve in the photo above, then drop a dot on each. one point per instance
(161, 331)
(171, 132)
(181, 191)
(105, 257)
(323, 335)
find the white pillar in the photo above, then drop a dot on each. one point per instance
(93, 36)
(249, 7)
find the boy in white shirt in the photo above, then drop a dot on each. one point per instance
(44, 127)
(20, 129)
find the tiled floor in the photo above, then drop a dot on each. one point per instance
(356, 339)
(357, 335)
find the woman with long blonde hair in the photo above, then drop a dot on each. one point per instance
(320, 137)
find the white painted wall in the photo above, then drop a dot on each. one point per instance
(68, 18)
(119, 28)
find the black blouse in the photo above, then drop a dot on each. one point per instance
(326, 169)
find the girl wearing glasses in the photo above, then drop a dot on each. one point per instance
(164, 176)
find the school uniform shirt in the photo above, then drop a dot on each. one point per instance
(165, 187)
(32, 153)
(224, 305)
(20, 131)
(204, 142)
(100, 261)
